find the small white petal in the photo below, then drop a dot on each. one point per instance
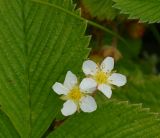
(107, 64)
(88, 104)
(117, 79)
(70, 80)
(106, 90)
(69, 108)
(89, 67)
(88, 85)
(59, 88)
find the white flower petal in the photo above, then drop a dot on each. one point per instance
(70, 80)
(107, 64)
(60, 88)
(89, 67)
(117, 79)
(88, 85)
(106, 90)
(69, 108)
(88, 104)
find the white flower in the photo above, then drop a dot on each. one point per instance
(102, 76)
(77, 97)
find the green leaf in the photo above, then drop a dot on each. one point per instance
(145, 10)
(101, 9)
(113, 120)
(38, 44)
(142, 86)
(141, 89)
(6, 128)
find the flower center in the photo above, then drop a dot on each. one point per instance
(75, 94)
(101, 77)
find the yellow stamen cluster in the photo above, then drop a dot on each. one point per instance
(101, 77)
(75, 94)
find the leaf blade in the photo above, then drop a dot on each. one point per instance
(6, 127)
(146, 11)
(113, 119)
(38, 46)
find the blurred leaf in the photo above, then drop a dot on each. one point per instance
(38, 44)
(146, 10)
(129, 51)
(113, 120)
(132, 50)
(141, 89)
(101, 9)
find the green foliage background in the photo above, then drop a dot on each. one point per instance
(101, 9)
(40, 41)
